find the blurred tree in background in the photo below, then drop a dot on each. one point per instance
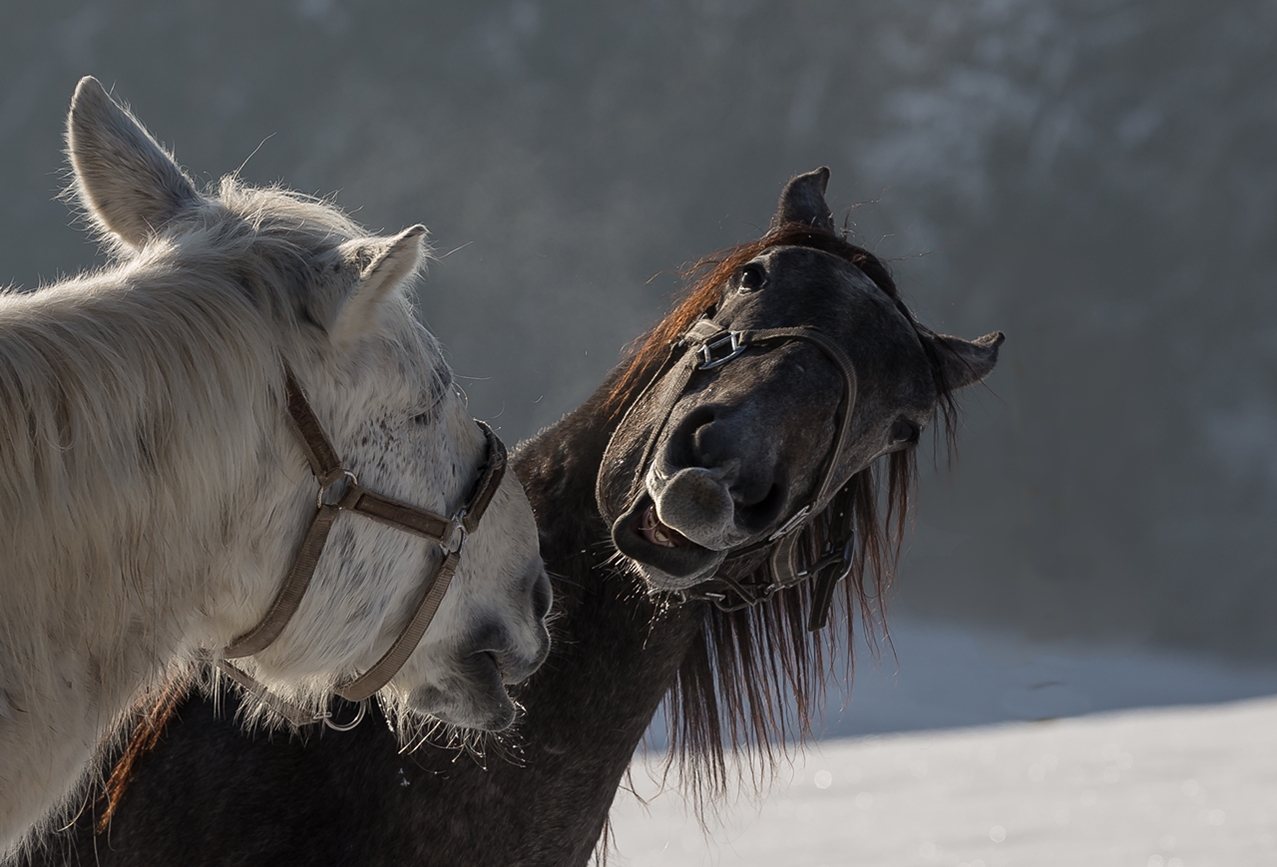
(1097, 178)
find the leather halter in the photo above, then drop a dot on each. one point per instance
(339, 491)
(705, 346)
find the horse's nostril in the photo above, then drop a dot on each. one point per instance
(707, 441)
(757, 496)
(496, 662)
(542, 596)
(756, 513)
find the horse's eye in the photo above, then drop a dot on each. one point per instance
(904, 431)
(752, 277)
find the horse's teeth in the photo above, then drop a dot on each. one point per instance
(653, 530)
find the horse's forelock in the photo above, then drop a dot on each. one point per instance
(705, 279)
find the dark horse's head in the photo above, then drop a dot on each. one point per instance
(749, 425)
(797, 369)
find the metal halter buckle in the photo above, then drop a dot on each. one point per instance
(831, 557)
(731, 340)
(746, 597)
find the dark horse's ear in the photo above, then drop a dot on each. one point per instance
(803, 201)
(966, 362)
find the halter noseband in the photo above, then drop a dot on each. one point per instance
(339, 491)
(706, 346)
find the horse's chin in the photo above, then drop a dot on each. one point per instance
(666, 559)
(475, 698)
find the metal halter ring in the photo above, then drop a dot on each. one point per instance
(731, 340)
(322, 499)
(327, 719)
(456, 538)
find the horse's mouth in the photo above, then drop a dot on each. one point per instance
(650, 528)
(475, 697)
(667, 558)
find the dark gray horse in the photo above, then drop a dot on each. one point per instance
(699, 513)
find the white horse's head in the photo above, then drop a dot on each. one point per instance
(312, 290)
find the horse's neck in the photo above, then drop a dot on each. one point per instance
(135, 538)
(614, 659)
(540, 799)
(588, 709)
(115, 507)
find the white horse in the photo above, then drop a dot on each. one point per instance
(153, 490)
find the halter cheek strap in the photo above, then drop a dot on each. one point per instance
(340, 491)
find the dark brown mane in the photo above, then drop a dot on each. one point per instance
(734, 688)
(706, 279)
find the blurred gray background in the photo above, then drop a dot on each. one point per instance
(1096, 178)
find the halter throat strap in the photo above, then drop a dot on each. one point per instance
(339, 491)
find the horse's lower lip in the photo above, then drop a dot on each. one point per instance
(473, 696)
(664, 566)
(651, 529)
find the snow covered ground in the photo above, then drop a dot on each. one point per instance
(1186, 787)
(991, 764)
(943, 676)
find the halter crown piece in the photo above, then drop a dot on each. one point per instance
(707, 346)
(340, 491)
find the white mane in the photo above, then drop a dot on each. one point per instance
(112, 379)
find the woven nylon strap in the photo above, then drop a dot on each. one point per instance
(448, 533)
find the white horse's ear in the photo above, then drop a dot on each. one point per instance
(393, 262)
(126, 181)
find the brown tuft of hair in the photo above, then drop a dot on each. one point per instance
(153, 718)
(707, 278)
